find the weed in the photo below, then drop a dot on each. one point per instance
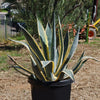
(3, 66)
(3, 59)
(19, 37)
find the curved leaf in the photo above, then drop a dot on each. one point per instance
(36, 61)
(57, 56)
(61, 46)
(53, 47)
(20, 66)
(37, 71)
(66, 74)
(24, 44)
(43, 38)
(80, 63)
(49, 36)
(49, 71)
(16, 68)
(66, 42)
(33, 44)
(45, 63)
(73, 48)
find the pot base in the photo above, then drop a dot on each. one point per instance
(51, 93)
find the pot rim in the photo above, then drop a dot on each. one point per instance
(51, 83)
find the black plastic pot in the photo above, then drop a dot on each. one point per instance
(50, 90)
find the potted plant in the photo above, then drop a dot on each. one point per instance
(50, 79)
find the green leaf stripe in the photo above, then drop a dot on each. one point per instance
(36, 70)
(53, 48)
(61, 47)
(49, 70)
(37, 61)
(43, 39)
(33, 44)
(66, 41)
(20, 65)
(49, 36)
(73, 48)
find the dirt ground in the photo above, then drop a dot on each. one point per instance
(14, 86)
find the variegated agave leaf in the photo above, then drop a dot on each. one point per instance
(49, 37)
(57, 57)
(36, 61)
(43, 39)
(24, 44)
(17, 69)
(37, 71)
(66, 43)
(65, 74)
(53, 47)
(72, 51)
(61, 47)
(78, 63)
(33, 44)
(20, 66)
(81, 62)
(49, 67)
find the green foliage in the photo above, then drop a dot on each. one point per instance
(98, 11)
(19, 37)
(9, 1)
(70, 11)
(3, 10)
(3, 59)
(51, 61)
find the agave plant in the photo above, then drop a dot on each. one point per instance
(50, 62)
